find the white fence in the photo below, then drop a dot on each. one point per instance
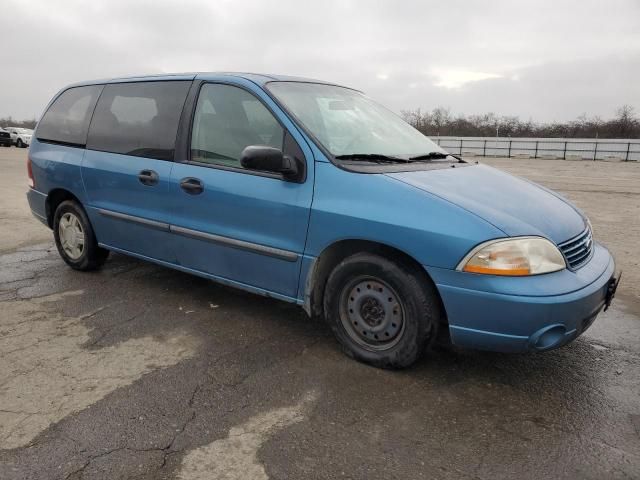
(564, 148)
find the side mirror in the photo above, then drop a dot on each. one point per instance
(268, 159)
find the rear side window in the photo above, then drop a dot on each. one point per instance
(139, 119)
(67, 119)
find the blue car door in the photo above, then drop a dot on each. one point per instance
(127, 165)
(239, 225)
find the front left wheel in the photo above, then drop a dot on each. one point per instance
(382, 312)
(19, 143)
(75, 239)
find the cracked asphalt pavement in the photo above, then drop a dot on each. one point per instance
(139, 371)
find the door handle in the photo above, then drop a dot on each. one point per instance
(193, 186)
(148, 177)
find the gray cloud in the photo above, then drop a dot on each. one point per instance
(547, 60)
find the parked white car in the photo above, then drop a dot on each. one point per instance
(20, 137)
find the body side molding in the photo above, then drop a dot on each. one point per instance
(232, 242)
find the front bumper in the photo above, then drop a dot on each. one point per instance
(528, 313)
(5, 141)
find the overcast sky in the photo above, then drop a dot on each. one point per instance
(544, 59)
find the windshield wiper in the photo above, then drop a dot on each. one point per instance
(380, 158)
(430, 156)
(436, 156)
(371, 157)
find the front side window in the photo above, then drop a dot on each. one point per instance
(67, 119)
(139, 119)
(347, 122)
(228, 119)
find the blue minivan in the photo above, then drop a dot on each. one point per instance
(312, 193)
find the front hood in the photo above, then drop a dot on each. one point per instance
(515, 206)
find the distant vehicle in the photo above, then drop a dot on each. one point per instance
(314, 194)
(5, 138)
(20, 137)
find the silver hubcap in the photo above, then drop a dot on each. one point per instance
(71, 236)
(372, 314)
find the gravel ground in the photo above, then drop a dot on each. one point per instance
(139, 371)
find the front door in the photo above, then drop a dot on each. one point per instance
(243, 226)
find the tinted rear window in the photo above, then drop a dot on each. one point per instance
(67, 119)
(139, 119)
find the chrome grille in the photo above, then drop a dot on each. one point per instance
(578, 250)
(4, 134)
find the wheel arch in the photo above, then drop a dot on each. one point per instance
(55, 198)
(333, 254)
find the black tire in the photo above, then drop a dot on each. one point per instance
(19, 143)
(414, 296)
(92, 256)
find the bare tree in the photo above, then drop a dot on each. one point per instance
(626, 121)
(440, 118)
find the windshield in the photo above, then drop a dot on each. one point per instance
(23, 130)
(347, 122)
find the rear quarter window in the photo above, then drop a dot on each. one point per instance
(67, 119)
(139, 119)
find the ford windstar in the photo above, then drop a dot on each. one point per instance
(313, 193)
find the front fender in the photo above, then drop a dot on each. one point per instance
(377, 208)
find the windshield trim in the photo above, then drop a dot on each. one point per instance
(382, 168)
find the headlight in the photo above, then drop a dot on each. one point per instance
(514, 257)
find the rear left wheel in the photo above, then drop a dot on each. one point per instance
(75, 239)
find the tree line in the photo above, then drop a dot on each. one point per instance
(440, 122)
(10, 122)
